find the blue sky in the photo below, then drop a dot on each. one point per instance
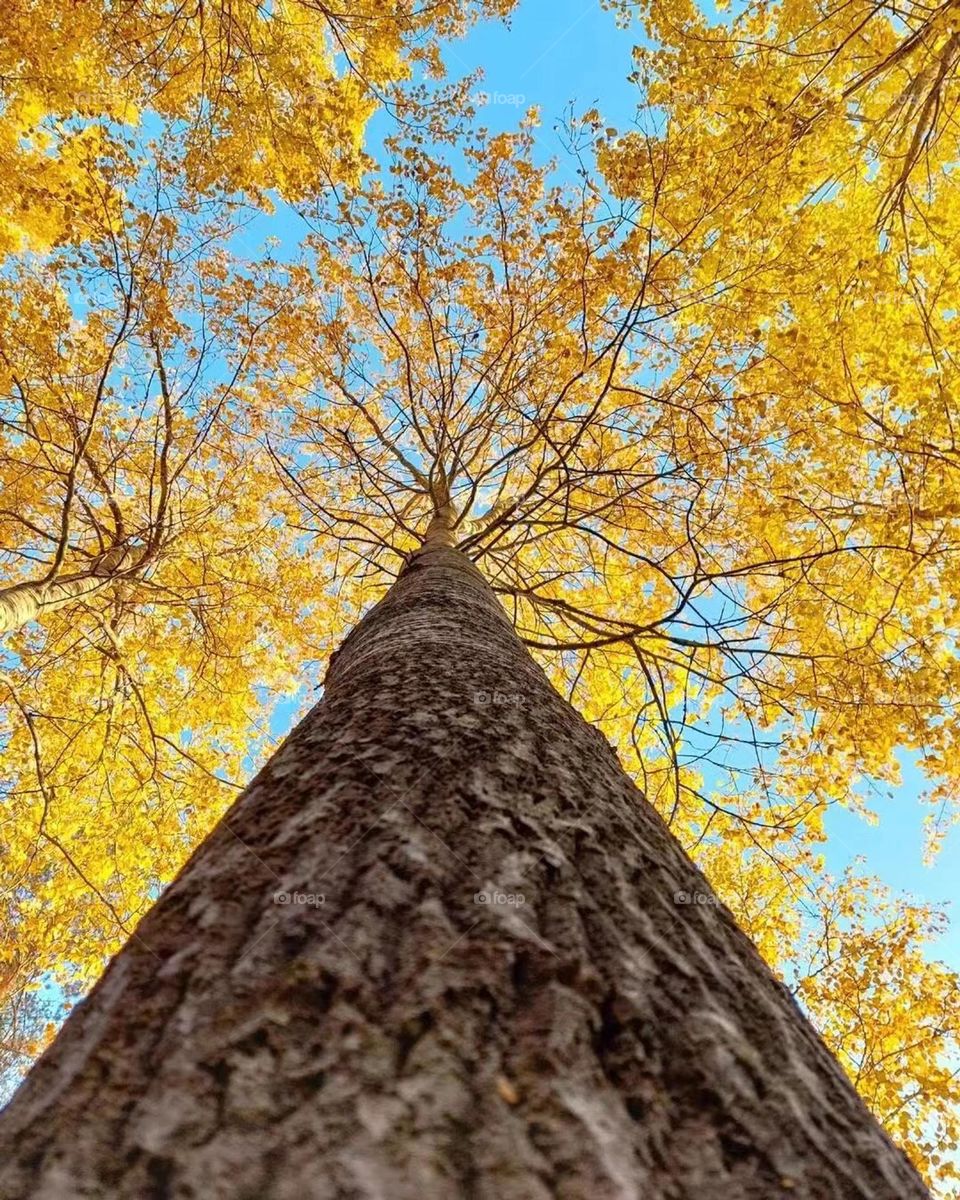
(553, 54)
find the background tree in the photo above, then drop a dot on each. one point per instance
(263, 99)
(829, 91)
(146, 572)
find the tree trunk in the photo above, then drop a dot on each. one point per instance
(30, 600)
(342, 995)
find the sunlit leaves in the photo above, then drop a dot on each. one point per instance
(262, 99)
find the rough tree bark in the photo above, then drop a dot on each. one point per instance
(322, 1005)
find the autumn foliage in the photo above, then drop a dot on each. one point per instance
(693, 416)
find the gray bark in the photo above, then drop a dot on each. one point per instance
(401, 1039)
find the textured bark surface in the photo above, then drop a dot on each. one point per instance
(397, 1037)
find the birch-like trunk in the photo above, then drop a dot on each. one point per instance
(34, 598)
(343, 996)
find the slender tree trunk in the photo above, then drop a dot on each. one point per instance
(342, 995)
(30, 600)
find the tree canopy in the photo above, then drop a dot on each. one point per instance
(692, 416)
